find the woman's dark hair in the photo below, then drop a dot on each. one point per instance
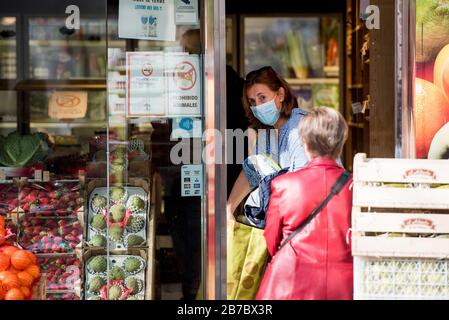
(274, 81)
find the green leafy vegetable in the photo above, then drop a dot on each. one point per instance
(21, 150)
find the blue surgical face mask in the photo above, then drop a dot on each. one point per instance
(267, 113)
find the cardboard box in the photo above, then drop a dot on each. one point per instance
(141, 252)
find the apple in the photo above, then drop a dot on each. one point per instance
(439, 148)
(431, 112)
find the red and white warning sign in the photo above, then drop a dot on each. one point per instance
(145, 79)
(184, 87)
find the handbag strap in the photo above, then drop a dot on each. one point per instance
(336, 188)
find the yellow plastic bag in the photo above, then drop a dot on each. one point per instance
(247, 257)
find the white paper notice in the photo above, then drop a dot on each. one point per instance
(186, 12)
(147, 20)
(145, 94)
(184, 84)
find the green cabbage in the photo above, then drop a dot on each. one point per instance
(22, 150)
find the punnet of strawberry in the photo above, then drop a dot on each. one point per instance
(50, 199)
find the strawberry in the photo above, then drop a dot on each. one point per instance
(44, 200)
(62, 223)
(24, 192)
(11, 195)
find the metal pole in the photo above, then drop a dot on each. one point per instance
(214, 259)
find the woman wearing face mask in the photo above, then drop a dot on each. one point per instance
(269, 104)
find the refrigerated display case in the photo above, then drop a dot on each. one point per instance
(305, 50)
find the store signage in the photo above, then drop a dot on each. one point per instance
(418, 223)
(191, 180)
(67, 105)
(186, 12)
(420, 174)
(186, 127)
(145, 94)
(184, 85)
(147, 20)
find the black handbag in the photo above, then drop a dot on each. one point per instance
(336, 188)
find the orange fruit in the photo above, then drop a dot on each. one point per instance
(431, 112)
(11, 281)
(26, 292)
(14, 294)
(8, 250)
(34, 271)
(32, 257)
(20, 260)
(26, 279)
(4, 262)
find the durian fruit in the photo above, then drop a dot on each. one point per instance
(116, 233)
(118, 212)
(118, 194)
(114, 292)
(95, 298)
(135, 224)
(133, 285)
(135, 240)
(99, 202)
(98, 264)
(98, 241)
(116, 273)
(98, 222)
(96, 284)
(132, 264)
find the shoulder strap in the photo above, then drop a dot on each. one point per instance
(336, 188)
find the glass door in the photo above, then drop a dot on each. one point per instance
(156, 119)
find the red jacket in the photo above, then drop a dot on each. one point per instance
(317, 262)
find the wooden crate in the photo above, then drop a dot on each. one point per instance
(39, 289)
(400, 208)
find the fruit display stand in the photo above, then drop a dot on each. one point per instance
(130, 252)
(145, 250)
(400, 228)
(47, 215)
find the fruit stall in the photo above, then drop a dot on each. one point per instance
(86, 239)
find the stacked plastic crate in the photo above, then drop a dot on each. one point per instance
(400, 228)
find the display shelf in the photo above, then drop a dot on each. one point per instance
(38, 125)
(76, 43)
(313, 81)
(40, 85)
(7, 43)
